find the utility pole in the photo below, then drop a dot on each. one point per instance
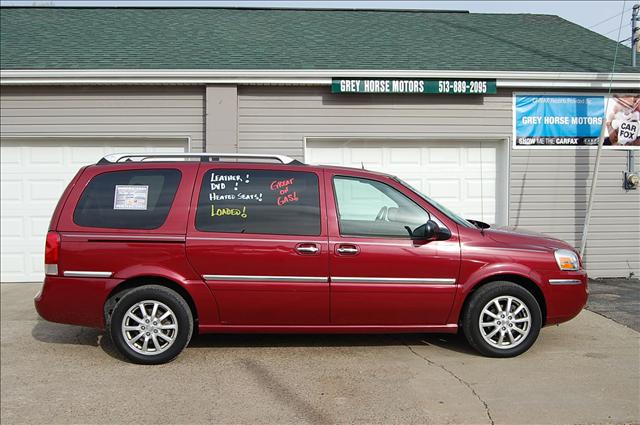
(635, 33)
(630, 157)
(635, 46)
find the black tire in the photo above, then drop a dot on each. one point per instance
(480, 298)
(160, 294)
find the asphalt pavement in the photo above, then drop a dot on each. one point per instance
(584, 371)
(617, 299)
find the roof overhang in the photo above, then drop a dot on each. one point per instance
(504, 79)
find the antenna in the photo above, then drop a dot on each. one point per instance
(481, 186)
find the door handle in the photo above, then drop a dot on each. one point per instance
(307, 248)
(345, 249)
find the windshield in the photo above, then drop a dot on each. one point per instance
(453, 216)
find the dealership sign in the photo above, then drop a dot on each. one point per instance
(413, 86)
(557, 120)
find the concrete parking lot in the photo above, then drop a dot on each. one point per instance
(585, 371)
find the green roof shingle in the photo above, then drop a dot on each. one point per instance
(228, 38)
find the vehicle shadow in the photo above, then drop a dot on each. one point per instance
(55, 333)
(452, 342)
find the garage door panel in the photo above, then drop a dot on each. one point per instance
(442, 156)
(45, 155)
(34, 175)
(474, 189)
(47, 190)
(10, 191)
(38, 226)
(329, 156)
(369, 156)
(35, 264)
(81, 155)
(445, 188)
(12, 227)
(417, 183)
(484, 155)
(12, 264)
(405, 156)
(11, 156)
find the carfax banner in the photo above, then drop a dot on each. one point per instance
(575, 120)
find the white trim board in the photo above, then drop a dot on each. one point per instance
(102, 138)
(504, 79)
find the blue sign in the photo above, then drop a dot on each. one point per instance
(558, 120)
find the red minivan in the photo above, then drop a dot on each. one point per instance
(156, 247)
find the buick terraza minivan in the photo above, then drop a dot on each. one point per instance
(156, 247)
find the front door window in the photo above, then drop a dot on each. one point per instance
(373, 209)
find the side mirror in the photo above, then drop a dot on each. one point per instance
(479, 224)
(428, 231)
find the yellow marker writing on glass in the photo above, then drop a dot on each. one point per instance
(224, 212)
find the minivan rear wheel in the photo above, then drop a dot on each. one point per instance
(502, 319)
(151, 324)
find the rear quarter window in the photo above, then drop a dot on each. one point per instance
(131, 199)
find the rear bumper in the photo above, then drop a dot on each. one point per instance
(566, 295)
(73, 301)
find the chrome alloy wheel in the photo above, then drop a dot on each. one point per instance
(505, 322)
(149, 327)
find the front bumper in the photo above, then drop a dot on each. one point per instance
(73, 301)
(566, 294)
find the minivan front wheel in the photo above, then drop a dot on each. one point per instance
(151, 324)
(502, 319)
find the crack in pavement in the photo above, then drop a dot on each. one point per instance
(462, 381)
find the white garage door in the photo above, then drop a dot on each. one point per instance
(460, 175)
(34, 174)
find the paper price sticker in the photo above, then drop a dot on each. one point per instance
(131, 197)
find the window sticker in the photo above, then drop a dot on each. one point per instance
(131, 197)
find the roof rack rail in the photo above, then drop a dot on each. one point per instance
(204, 157)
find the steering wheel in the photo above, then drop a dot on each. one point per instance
(381, 214)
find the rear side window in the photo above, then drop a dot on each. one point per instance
(133, 199)
(259, 201)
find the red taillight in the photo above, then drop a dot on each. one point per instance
(52, 253)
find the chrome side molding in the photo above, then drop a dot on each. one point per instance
(74, 273)
(319, 279)
(244, 278)
(398, 280)
(565, 281)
